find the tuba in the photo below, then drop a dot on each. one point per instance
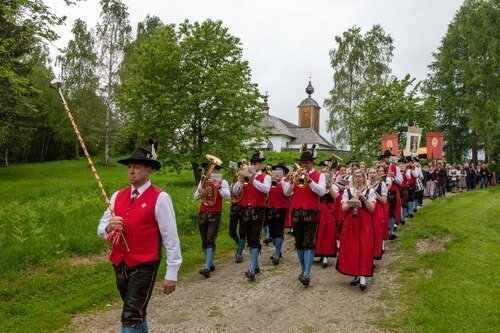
(210, 195)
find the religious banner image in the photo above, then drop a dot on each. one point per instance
(390, 142)
(413, 140)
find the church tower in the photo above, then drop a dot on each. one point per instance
(309, 110)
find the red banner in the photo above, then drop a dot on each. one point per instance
(390, 142)
(435, 145)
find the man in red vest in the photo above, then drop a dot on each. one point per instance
(277, 207)
(305, 207)
(145, 215)
(253, 205)
(210, 214)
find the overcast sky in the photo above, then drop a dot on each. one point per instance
(286, 40)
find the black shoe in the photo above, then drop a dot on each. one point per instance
(267, 241)
(250, 275)
(205, 272)
(383, 251)
(362, 287)
(392, 236)
(301, 276)
(238, 259)
(257, 270)
(275, 261)
(354, 282)
(305, 280)
(415, 210)
(411, 215)
(212, 268)
(403, 222)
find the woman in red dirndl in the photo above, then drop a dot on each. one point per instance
(325, 245)
(337, 205)
(355, 256)
(377, 184)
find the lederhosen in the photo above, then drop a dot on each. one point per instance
(253, 213)
(305, 214)
(276, 211)
(209, 221)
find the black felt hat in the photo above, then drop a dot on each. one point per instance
(282, 166)
(402, 159)
(142, 156)
(258, 156)
(387, 153)
(322, 163)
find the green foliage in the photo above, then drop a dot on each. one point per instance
(390, 108)
(188, 87)
(358, 62)
(454, 289)
(24, 25)
(464, 82)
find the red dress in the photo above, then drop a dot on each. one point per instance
(327, 229)
(356, 244)
(378, 226)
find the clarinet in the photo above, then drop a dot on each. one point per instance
(355, 209)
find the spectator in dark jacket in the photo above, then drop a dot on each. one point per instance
(441, 180)
(471, 177)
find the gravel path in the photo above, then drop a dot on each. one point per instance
(276, 301)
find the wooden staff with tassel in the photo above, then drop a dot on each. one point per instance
(114, 235)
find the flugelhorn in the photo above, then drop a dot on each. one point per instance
(300, 180)
(210, 195)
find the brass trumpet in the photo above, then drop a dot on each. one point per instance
(246, 179)
(300, 181)
(237, 198)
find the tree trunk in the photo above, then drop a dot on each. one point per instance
(474, 150)
(196, 172)
(6, 156)
(106, 139)
(77, 149)
(43, 145)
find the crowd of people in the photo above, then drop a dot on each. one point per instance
(345, 211)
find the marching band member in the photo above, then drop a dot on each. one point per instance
(277, 210)
(385, 206)
(418, 174)
(411, 181)
(341, 182)
(356, 241)
(210, 213)
(394, 196)
(325, 246)
(404, 188)
(377, 184)
(306, 189)
(256, 185)
(235, 219)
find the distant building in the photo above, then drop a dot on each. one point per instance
(285, 136)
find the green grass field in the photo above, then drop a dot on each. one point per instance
(48, 222)
(455, 288)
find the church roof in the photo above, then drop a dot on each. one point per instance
(278, 126)
(309, 101)
(308, 135)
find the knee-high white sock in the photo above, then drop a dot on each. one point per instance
(383, 245)
(362, 280)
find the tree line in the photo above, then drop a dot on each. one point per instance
(189, 86)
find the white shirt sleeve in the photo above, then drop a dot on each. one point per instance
(103, 223)
(197, 195)
(335, 188)
(165, 215)
(415, 173)
(398, 178)
(237, 187)
(265, 186)
(372, 196)
(320, 187)
(384, 189)
(345, 196)
(224, 190)
(287, 188)
(388, 182)
(408, 174)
